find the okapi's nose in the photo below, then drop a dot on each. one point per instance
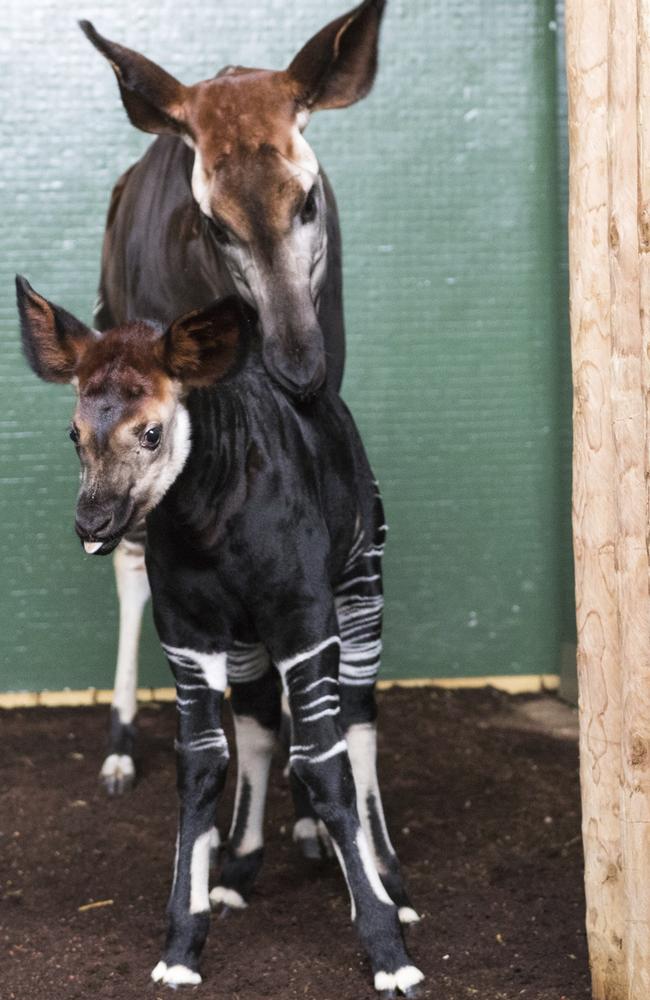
(298, 364)
(93, 521)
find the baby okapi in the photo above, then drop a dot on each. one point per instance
(264, 525)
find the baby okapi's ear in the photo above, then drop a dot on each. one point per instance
(53, 340)
(338, 65)
(153, 99)
(204, 345)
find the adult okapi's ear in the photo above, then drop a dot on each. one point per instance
(53, 340)
(338, 65)
(204, 345)
(153, 99)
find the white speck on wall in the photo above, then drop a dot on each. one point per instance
(515, 609)
(472, 621)
(528, 586)
(470, 115)
(552, 25)
(386, 248)
(450, 281)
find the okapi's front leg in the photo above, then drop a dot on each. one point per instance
(202, 758)
(319, 758)
(359, 608)
(118, 770)
(255, 702)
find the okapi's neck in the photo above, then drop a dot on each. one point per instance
(212, 486)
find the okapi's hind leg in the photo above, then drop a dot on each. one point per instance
(118, 770)
(359, 607)
(255, 702)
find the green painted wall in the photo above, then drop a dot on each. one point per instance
(446, 180)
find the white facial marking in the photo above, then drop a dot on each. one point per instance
(151, 486)
(92, 547)
(199, 874)
(201, 185)
(303, 159)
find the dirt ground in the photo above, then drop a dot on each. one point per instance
(484, 812)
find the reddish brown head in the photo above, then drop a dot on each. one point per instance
(256, 177)
(130, 427)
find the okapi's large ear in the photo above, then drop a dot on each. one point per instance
(338, 65)
(53, 340)
(153, 99)
(204, 345)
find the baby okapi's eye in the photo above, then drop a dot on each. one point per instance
(308, 212)
(73, 433)
(151, 437)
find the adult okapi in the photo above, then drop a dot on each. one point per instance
(264, 526)
(230, 197)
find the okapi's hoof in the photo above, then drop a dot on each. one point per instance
(405, 982)
(117, 774)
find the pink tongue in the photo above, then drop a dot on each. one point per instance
(91, 547)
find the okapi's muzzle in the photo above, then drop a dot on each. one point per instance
(101, 524)
(297, 363)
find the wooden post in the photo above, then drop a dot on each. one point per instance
(608, 65)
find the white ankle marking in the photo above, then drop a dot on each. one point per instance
(403, 979)
(175, 975)
(215, 839)
(118, 765)
(305, 829)
(229, 897)
(200, 873)
(407, 915)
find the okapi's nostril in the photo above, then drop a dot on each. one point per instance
(90, 527)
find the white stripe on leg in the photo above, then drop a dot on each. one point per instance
(133, 592)
(361, 739)
(254, 749)
(200, 873)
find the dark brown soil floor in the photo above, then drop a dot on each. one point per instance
(485, 817)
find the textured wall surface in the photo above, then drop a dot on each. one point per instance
(446, 181)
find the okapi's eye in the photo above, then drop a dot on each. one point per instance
(219, 232)
(151, 437)
(73, 434)
(308, 213)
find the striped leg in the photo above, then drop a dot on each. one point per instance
(359, 607)
(202, 758)
(309, 832)
(118, 771)
(255, 703)
(320, 760)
